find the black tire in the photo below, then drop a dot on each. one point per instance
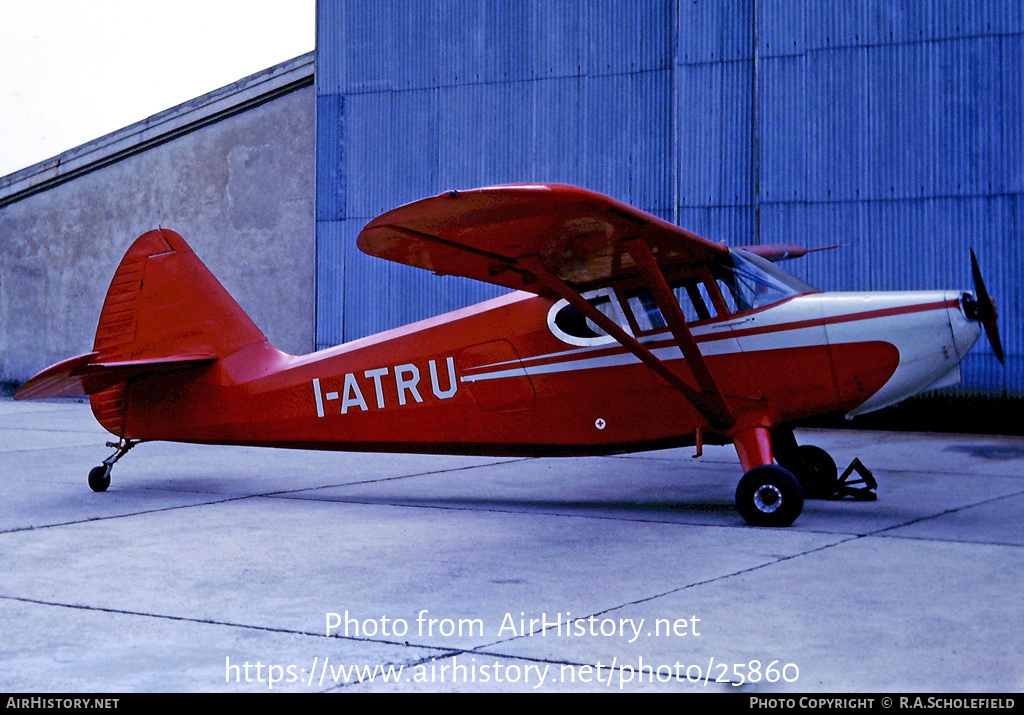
(818, 474)
(769, 496)
(99, 478)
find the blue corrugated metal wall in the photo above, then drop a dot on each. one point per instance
(890, 126)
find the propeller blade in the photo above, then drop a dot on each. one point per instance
(987, 315)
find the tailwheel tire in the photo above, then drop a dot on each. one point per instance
(99, 478)
(769, 496)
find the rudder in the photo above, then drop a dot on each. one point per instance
(164, 301)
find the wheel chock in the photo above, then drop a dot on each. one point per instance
(862, 489)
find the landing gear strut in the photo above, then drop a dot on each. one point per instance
(99, 477)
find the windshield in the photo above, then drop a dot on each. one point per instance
(748, 282)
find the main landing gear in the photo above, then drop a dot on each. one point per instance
(817, 473)
(99, 477)
(771, 494)
(813, 467)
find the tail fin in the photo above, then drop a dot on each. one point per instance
(163, 302)
(164, 312)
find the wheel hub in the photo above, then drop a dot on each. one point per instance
(767, 498)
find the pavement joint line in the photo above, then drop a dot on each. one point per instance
(444, 652)
(51, 429)
(297, 494)
(927, 517)
(397, 477)
(412, 664)
(962, 542)
(885, 472)
(454, 507)
(43, 449)
(604, 517)
(110, 517)
(448, 652)
(843, 541)
(931, 473)
(696, 584)
(454, 653)
(475, 652)
(213, 622)
(239, 498)
(638, 601)
(851, 534)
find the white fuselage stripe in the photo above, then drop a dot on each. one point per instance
(790, 325)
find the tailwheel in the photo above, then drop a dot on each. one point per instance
(816, 470)
(769, 496)
(99, 478)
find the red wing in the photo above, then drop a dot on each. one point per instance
(483, 233)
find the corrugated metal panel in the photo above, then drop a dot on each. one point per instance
(715, 31)
(784, 150)
(627, 36)
(732, 224)
(332, 237)
(905, 147)
(559, 39)
(893, 127)
(714, 141)
(331, 185)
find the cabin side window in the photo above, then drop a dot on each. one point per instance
(692, 295)
(571, 326)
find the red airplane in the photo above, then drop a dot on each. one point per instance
(624, 333)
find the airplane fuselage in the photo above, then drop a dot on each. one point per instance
(500, 378)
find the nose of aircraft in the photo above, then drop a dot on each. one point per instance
(964, 324)
(931, 341)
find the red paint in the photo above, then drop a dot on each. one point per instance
(754, 447)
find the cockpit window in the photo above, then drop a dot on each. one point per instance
(748, 282)
(691, 294)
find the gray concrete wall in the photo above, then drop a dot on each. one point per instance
(240, 190)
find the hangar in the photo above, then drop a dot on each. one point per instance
(890, 127)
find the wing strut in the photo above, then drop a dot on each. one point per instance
(710, 404)
(712, 396)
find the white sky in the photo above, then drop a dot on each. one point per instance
(74, 70)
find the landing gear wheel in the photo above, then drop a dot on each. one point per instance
(99, 478)
(769, 496)
(816, 471)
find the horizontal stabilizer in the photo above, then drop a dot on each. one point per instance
(79, 376)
